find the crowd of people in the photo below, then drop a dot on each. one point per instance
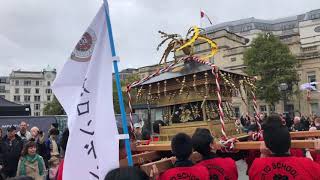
(296, 123)
(34, 155)
(31, 154)
(275, 160)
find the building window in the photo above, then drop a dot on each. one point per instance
(48, 98)
(272, 108)
(263, 108)
(312, 78)
(48, 91)
(233, 59)
(27, 83)
(48, 83)
(37, 98)
(237, 112)
(17, 82)
(26, 98)
(16, 91)
(16, 98)
(27, 90)
(37, 90)
(2, 88)
(36, 113)
(314, 107)
(37, 83)
(36, 106)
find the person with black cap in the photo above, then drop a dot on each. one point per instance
(13, 144)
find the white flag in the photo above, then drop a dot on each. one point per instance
(84, 88)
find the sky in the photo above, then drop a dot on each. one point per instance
(38, 33)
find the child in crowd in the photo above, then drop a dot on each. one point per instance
(219, 168)
(181, 146)
(53, 167)
(277, 162)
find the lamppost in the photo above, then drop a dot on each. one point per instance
(283, 88)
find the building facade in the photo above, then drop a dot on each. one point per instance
(301, 33)
(4, 87)
(30, 88)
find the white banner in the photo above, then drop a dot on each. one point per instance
(84, 88)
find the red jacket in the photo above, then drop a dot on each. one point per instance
(284, 168)
(186, 173)
(60, 170)
(221, 168)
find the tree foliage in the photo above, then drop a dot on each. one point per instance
(53, 108)
(271, 60)
(124, 83)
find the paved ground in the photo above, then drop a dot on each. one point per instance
(242, 168)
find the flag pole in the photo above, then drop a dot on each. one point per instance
(116, 72)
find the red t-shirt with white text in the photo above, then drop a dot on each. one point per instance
(284, 168)
(186, 173)
(220, 168)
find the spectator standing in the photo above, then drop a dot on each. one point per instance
(13, 145)
(298, 125)
(31, 164)
(52, 148)
(38, 138)
(23, 133)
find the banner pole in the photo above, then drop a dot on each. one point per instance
(116, 72)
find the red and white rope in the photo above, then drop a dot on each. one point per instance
(256, 110)
(215, 72)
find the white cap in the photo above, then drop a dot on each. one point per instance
(137, 125)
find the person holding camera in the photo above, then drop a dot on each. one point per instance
(39, 139)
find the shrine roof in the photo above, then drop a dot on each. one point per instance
(187, 69)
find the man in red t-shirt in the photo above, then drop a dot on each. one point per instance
(181, 146)
(279, 164)
(219, 168)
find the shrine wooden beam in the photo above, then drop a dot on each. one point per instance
(141, 158)
(166, 146)
(167, 163)
(162, 165)
(305, 134)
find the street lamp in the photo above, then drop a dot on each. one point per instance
(283, 87)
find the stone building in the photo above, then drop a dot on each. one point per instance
(4, 87)
(301, 33)
(30, 88)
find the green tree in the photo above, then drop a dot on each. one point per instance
(124, 83)
(273, 62)
(54, 108)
